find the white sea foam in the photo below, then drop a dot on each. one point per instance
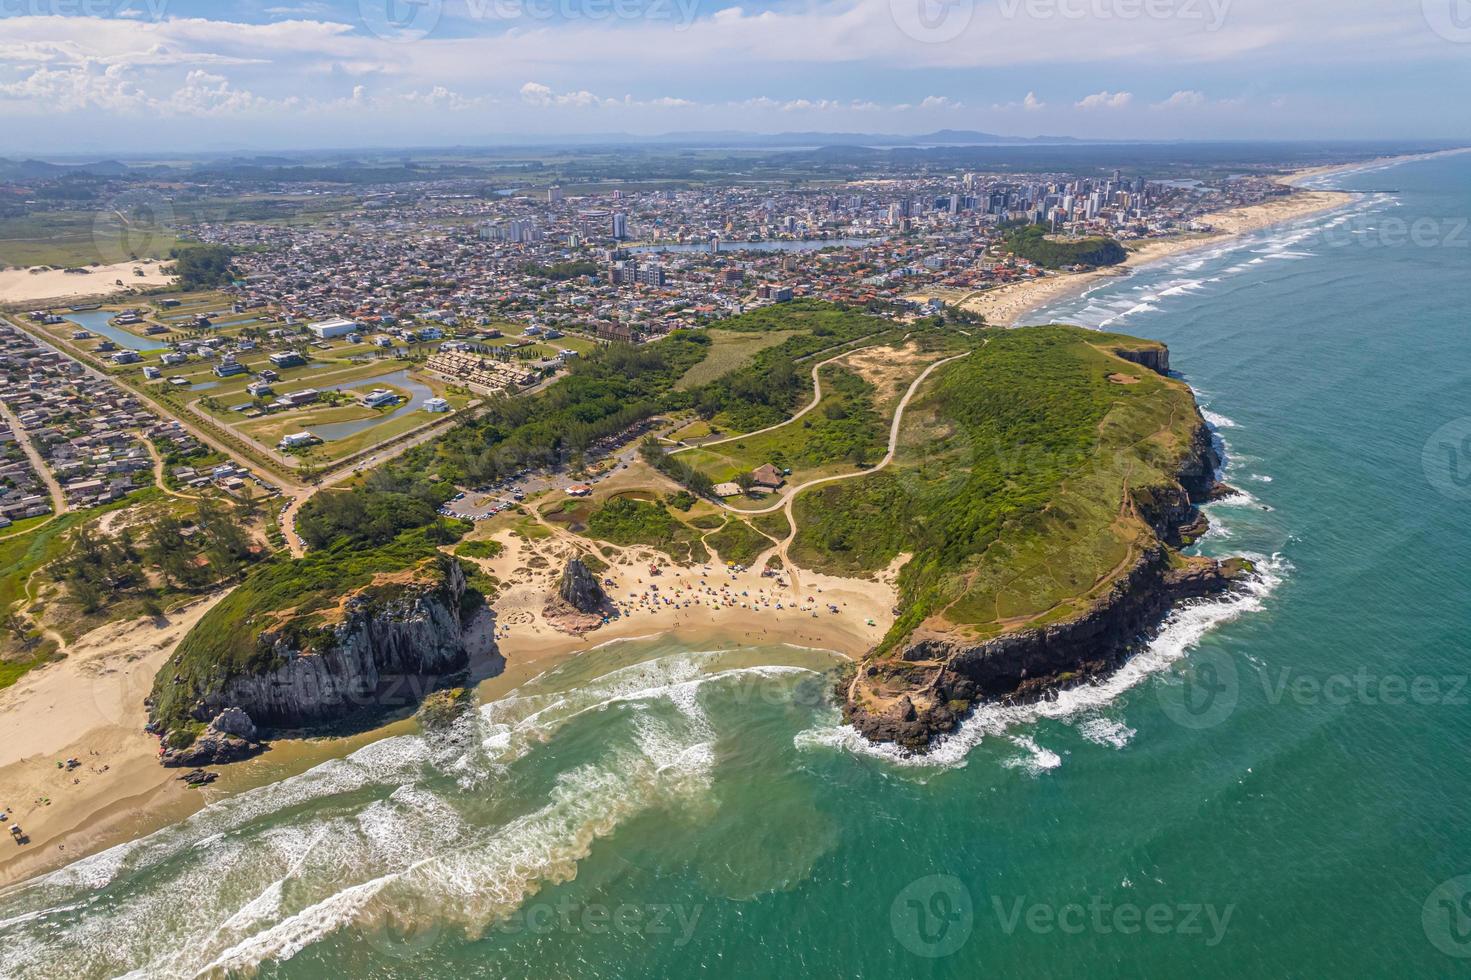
(1181, 631)
(1217, 419)
(1106, 731)
(1036, 759)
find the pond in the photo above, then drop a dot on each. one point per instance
(419, 393)
(96, 321)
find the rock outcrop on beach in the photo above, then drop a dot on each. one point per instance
(380, 650)
(229, 737)
(924, 687)
(579, 605)
(580, 590)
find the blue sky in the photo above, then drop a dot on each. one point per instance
(129, 75)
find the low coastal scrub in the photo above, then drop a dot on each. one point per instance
(1016, 499)
(738, 542)
(629, 521)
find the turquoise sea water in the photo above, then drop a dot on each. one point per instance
(1276, 786)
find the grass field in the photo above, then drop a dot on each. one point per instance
(730, 349)
(72, 238)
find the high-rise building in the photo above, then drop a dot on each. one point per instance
(554, 194)
(620, 225)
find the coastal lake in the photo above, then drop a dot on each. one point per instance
(1274, 786)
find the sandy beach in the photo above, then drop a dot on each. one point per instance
(44, 287)
(88, 706)
(1008, 305)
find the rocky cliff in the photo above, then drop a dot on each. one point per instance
(381, 649)
(923, 689)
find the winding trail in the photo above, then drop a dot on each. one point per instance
(786, 499)
(816, 397)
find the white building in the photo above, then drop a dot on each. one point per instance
(327, 329)
(436, 405)
(380, 396)
(298, 439)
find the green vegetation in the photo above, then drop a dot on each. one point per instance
(631, 521)
(562, 270)
(771, 386)
(479, 549)
(604, 394)
(22, 645)
(202, 266)
(729, 350)
(738, 542)
(1010, 489)
(283, 593)
(845, 427)
(1030, 242)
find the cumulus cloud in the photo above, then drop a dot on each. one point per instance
(1183, 99)
(1029, 104)
(1105, 100)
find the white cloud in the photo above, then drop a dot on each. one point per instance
(1183, 99)
(1030, 104)
(1105, 100)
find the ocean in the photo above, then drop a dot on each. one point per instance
(1276, 785)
